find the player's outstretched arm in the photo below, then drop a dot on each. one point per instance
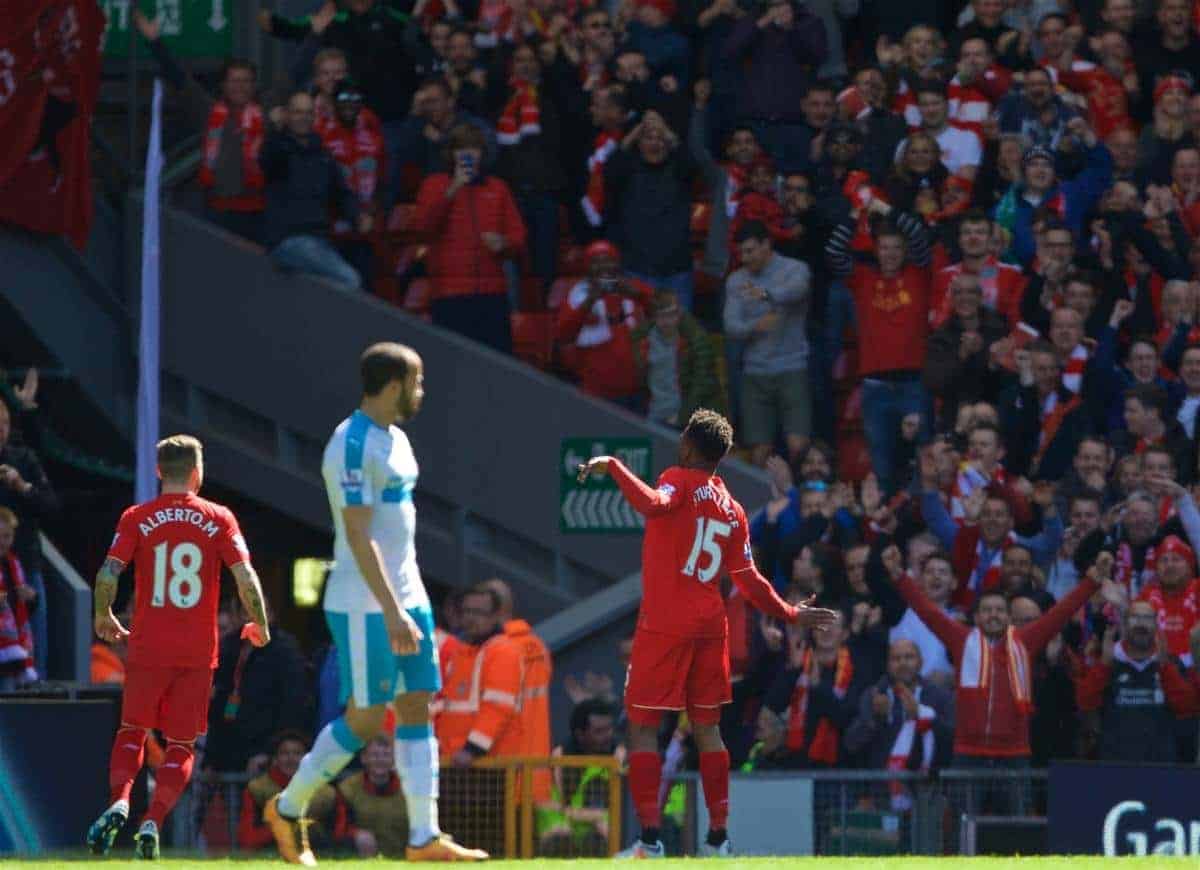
(107, 626)
(250, 592)
(641, 497)
(759, 591)
(402, 631)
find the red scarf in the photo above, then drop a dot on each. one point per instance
(593, 200)
(251, 122)
(521, 116)
(975, 670)
(736, 180)
(1073, 372)
(16, 639)
(902, 749)
(359, 152)
(1051, 423)
(824, 746)
(969, 478)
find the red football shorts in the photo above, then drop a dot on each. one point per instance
(173, 700)
(677, 673)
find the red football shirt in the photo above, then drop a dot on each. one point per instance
(687, 550)
(177, 543)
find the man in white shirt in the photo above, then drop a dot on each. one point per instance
(1189, 373)
(938, 582)
(962, 151)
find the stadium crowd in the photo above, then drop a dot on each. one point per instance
(940, 262)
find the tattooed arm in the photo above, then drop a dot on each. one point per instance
(107, 626)
(251, 594)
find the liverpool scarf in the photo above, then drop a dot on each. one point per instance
(824, 746)
(251, 123)
(521, 116)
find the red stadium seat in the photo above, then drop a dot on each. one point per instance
(400, 222)
(559, 290)
(533, 337)
(568, 358)
(854, 460)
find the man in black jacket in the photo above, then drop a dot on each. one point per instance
(381, 43)
(958, 352)
(1139, 692)
(303, 180)
(257, 693)
(1041, 433)
(648, 206)
(26, 491)
(903, 721)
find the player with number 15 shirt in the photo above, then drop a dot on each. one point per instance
(695, 534)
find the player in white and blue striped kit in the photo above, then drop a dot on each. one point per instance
(377, 610)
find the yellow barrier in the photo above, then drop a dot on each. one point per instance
(491, 805)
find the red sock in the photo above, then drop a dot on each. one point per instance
(170, 781)
(129, 748)
(645, 774)
(714, 774)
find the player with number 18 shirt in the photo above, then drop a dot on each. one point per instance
(177, 542)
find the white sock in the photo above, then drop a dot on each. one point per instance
(417, 764)
(333, 749)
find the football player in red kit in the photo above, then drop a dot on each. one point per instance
(178, 542)
(695, 534)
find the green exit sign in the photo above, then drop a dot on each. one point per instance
(597, 505)
(190, 28)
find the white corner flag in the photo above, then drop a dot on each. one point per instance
(146, 485)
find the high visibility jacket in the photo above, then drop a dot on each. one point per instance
(480, 698)
(446, 643)
(534, 701)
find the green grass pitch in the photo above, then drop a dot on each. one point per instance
(816, 863)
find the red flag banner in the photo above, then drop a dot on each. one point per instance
(49, 77)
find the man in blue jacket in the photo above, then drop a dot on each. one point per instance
(1040, 188)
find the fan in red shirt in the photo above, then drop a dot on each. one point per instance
(178, 542)
(695, 534)
(1175, 595)
(598, 317)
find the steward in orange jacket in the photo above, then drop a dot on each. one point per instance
(481, 693)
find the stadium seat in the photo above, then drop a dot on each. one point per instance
(533, 337)
(568, 358)
(559, 290)
(399, 223)
(854, 460)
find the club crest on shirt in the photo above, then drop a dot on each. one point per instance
(352, 479)
(667, 490)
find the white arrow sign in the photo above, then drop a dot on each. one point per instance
(568, 509)
(217, 21)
